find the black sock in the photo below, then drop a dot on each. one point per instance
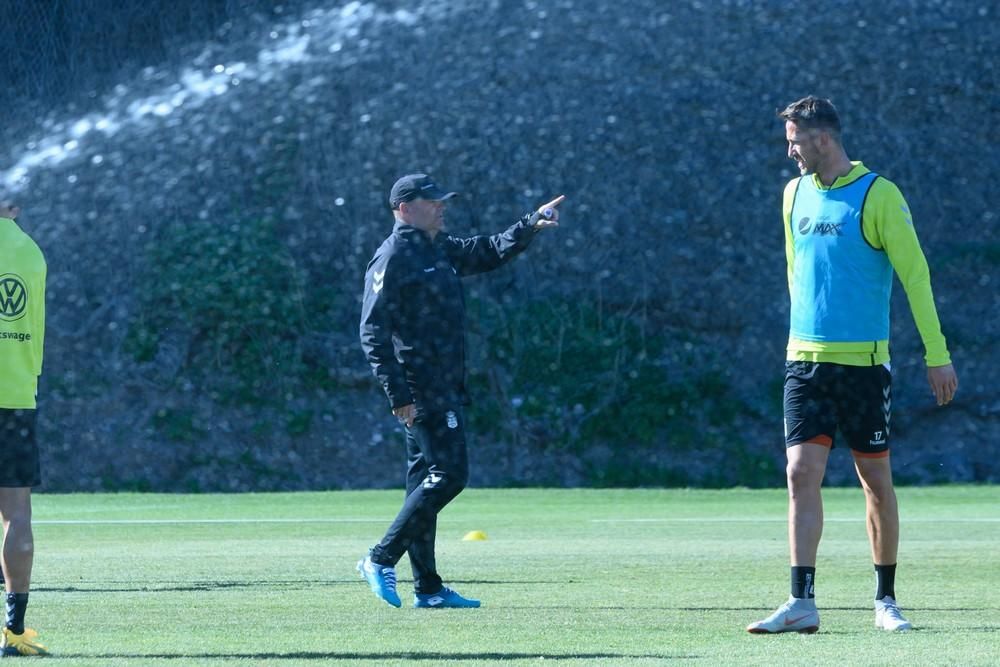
(885, 581)
(803, 580)
(17, 604)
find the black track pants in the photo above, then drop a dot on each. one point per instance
(438, 471)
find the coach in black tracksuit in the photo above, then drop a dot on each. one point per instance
(413, 334)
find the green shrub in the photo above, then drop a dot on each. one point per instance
(569, 376)
(236, 296)
(589, 376)
(177, 425)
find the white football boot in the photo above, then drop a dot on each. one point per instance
(796, 615)
(889, 617)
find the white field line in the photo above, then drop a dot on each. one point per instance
(294, 520)
(95, 522)
(859, 519)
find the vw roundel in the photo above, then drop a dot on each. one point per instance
(13, 297)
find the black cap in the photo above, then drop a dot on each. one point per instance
(417, 186)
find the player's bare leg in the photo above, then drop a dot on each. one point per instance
(18, 542)
(881, 510)
(17, 557)
(806, 468)
(882, 514)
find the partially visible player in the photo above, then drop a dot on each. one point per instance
(846, 230)
(22, 332)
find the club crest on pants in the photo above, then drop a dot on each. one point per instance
(452, 419)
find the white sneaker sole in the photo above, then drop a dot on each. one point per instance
(899, 628)
(808, 630)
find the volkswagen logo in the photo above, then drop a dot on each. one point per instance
(13, 297)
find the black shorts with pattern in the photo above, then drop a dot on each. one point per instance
(821, 398)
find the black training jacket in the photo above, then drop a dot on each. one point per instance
(413, 312)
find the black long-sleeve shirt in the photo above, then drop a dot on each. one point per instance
(413, 312)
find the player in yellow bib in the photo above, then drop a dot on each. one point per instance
(847, 230)
(22, 332)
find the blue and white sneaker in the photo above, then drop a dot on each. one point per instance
(443, 599)
(382, 579)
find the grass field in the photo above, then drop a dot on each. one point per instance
(575, 577)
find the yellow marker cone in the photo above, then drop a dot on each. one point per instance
(474, 536)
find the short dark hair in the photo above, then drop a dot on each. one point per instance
(813, 113)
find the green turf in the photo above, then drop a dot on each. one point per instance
(575, 577)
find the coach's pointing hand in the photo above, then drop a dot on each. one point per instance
(548, 214)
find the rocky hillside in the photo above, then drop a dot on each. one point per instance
(207, 222)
